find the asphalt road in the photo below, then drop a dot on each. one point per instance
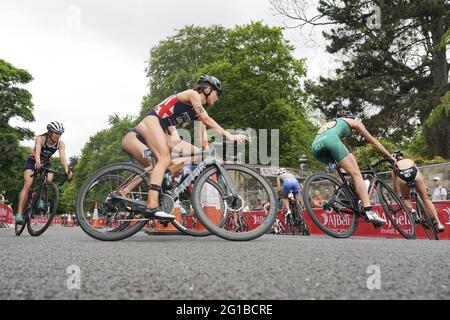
(181, 267)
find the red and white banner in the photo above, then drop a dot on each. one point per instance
(365, 229)
(6, 214)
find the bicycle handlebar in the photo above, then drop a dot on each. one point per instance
(50, 171)
(377, 164)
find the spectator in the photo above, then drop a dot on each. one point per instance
(2, 197)
(317, 199)
(439, 192)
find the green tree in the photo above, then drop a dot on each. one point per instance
(15, 102)
(174, 60)
(259, 73)
(391, 75)
(437, 129)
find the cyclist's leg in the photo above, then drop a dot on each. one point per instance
(422, 190)
(350, 166)
(286, 203)
(28, 182)
(155, 138)
(177, 145)
(135, 148)
(406, 193)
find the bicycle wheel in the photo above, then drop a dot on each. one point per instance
(189, 228)
(425, 221)
(336, 216)
(43, 210)
(396, 211)
(112, 219)
(305, 228)
(290, 225)
(300, 223)
(213, 206)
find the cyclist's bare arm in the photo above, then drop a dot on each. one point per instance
(279, 185)
(62, 156)
(202, 134)
(359, 126)
(37, 147)
(203, 116)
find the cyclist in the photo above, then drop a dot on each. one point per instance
(45, 146)
(158, 130)
(328, 148)
(287, 183)
(407, 171)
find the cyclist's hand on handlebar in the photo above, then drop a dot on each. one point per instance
(240, 138)
(69, 175)
(37, 165)
(393, 159)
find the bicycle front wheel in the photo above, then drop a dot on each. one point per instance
(396, 211)
(43, 210)
(214, 207)
(336, 215)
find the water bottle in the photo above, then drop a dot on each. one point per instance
(182, 174)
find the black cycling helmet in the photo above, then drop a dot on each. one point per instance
(345, 114)
(55, 127)
(398, 155)
(213, 81)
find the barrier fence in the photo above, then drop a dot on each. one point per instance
(256, 218)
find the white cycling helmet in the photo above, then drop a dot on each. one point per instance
(281, 171)
(56, 127)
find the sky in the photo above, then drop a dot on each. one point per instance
(88, 57)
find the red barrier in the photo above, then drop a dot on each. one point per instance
(388, 231)
(6, 214)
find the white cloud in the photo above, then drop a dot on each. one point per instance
(88, 57)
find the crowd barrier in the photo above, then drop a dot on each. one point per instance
(365, 229)
(6, 214)
(256, 218)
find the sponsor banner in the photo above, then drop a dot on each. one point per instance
(6, 214)
(365, 229)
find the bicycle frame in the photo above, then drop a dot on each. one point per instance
(369, 170)
(43, 172)
(210, 158)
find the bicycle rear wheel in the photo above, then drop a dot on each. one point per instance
(425, 221)
(397, 212)
(336, 216)
(213, 206)
(43, 210)
(300, 221)
(105, 218)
